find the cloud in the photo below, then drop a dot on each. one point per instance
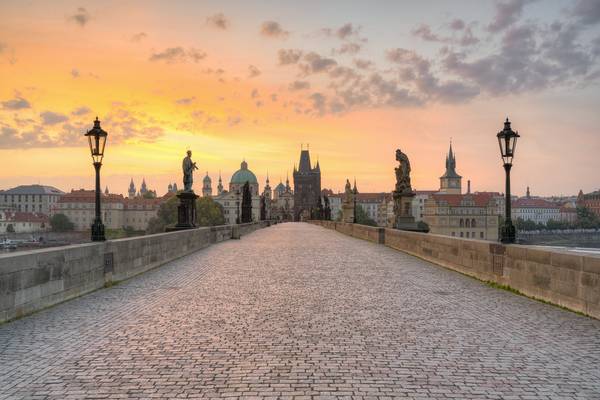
(218, 21)
(457, 24)
(253, 71)
(507, 13)
(299, 85)
(289, 56)
(362, 64)
(316, 64)
(18, 103)
(138, 37)
(273, 29)
(36, 137)
(185, 101)
(424, 32)
(348, 48)
(173, 55)
(318, 102)
(53, 118)
(81, 111)
(234, 120)
(75, 73)
(80, 17)
(587, 11)
(343, 32)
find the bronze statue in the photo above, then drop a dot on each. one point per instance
(188, 167)
(403, 173)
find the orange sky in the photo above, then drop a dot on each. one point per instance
(149, 74)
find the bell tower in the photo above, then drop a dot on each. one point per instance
(451, 182)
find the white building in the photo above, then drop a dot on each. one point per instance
(30, 198)
(23, 222)
(535, 209)
(231, 200)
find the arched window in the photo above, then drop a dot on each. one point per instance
(473, 223)
(462, 223)
(467, 223)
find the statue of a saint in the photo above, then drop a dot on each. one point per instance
(348, 192)
(403, 173)
(188, 167)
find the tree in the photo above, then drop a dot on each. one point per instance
(586, 218)
(165, 216)
(209, 212)
(362, 217)
(10, 228)
(61, 223)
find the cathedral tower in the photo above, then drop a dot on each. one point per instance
(307, 187)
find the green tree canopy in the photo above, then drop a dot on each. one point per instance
(362, 217)
(61, 223)
(208, 213)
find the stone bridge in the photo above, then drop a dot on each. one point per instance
(296, 311)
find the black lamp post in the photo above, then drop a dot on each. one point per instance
(507, 139)
(97, 140)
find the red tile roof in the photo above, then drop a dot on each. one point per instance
(481, 199)
(529, 202)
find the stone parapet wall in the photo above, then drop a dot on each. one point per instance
(568, 279)
(36, 279)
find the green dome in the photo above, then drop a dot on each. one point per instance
(243, 175)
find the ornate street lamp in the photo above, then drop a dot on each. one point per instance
(97, 140)
(507, 139)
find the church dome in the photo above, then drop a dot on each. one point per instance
(243, 175)
(280, 188)
(207, 179)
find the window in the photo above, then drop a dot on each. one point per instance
(473, 223)
(453, 233)
(481, 235)
(461, 234)
(467, 234)
(462, 223)
(467, 223)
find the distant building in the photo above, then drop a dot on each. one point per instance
(535, 209)
(282, 203)
(206, 186)
(418, 203)
(23, 222)
(472, 216)
(451, 213)
(172, 188)
(590, 201)
(30, 198)
(307, 187)
(231, 200)
(451, 182)
(117, 212)
(144, 191)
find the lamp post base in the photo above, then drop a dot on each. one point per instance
(98, 232)
(508, 234)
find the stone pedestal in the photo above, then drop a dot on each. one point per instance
(403, 218)
(186, 211)
(348, 213)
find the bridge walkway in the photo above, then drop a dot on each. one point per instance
(297, 311)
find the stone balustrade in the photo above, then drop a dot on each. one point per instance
(564, 278)
(36, 279)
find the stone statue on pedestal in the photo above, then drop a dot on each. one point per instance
(348, 204)
(403, 195)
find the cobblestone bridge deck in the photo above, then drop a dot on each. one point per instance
(297, 311)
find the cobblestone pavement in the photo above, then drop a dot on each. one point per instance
(297, 311)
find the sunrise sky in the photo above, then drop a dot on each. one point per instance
(255, 80)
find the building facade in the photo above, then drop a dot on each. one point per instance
(535, 209)
(590, 201)
(231, 200)
(307, 187)
(117, 212)
(30, 198)
(23, 222)
(473, 216)
(282, 203)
